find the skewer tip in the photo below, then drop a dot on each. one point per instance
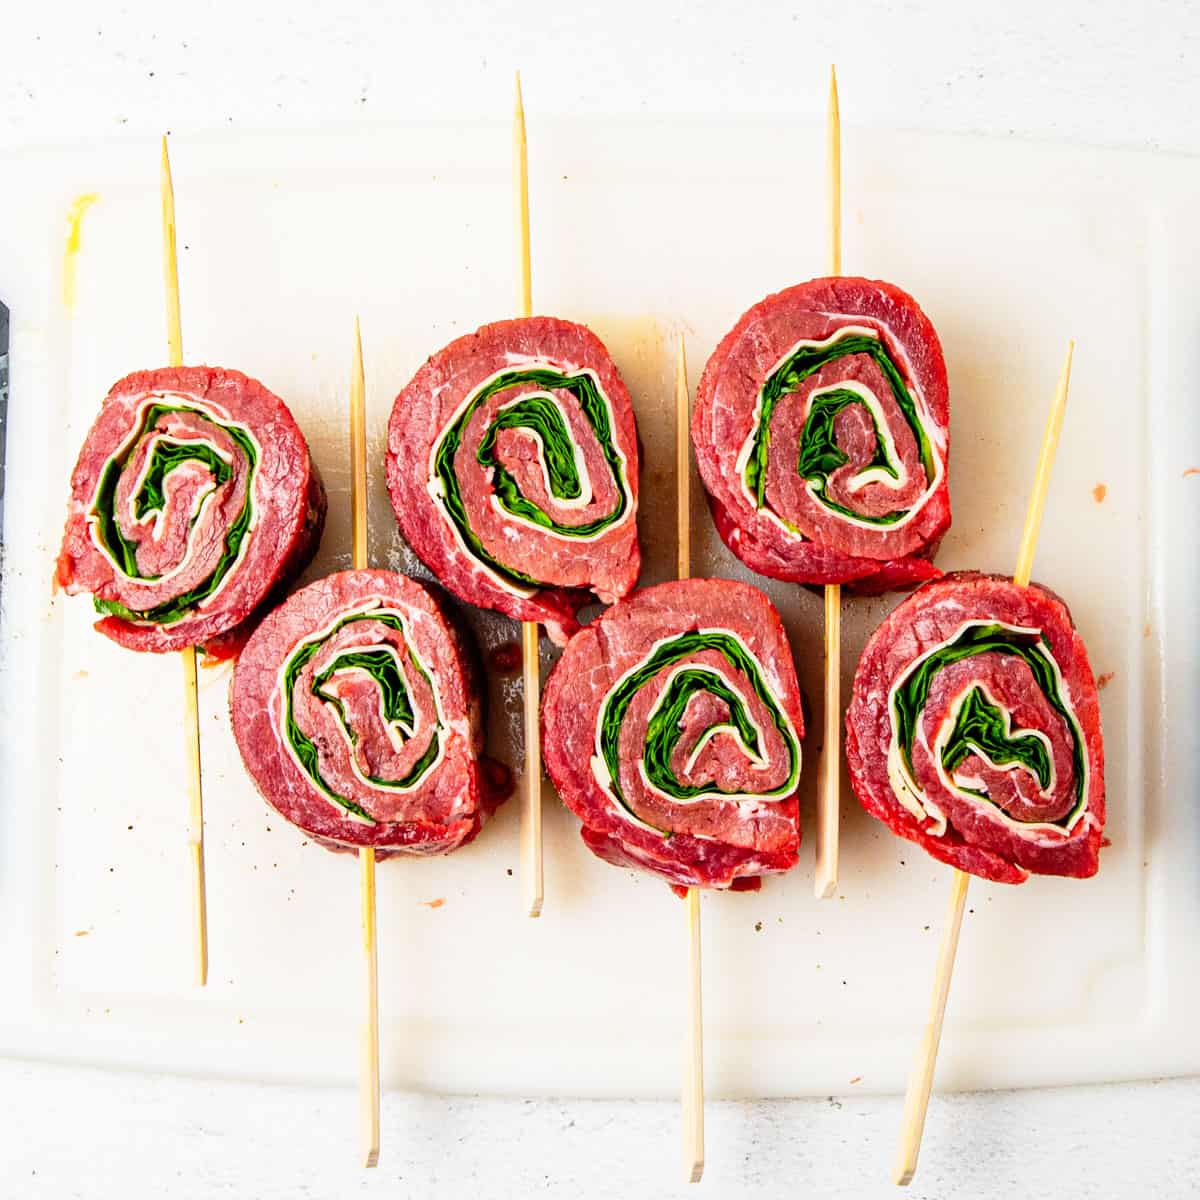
(518, 103)
(833, 91)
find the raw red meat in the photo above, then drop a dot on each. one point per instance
(357, 711)
(671, 726)
(974, 730)
(193, 503)
(821, 430)
(512, 464)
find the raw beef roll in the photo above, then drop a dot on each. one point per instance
(974, 730)
(192, 501)
(671, 726)
(357, 714)
(512, 464)
(821, 430)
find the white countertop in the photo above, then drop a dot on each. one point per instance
(1102, 72)
(82, 1133)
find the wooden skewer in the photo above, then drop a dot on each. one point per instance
(368, 1080)
(683, 466)
(191, 714)
(829, 774)
(170, 262)
(521, 204)
(833, 164)
(531, 793)
(1041, 480)
(920, 1083)
(693, 1070)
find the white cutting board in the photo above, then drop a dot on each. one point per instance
(640, 230)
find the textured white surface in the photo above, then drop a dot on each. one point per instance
(1102, 72)
(1106, 71)
(95, 1135)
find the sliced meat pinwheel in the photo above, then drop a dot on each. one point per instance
(193, 501)
(512, 465)
(671, 726)
(974, 730)
(358, 715)
(821, 430)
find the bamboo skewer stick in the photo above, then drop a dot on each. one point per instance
(531, 793)
(833, 165)
(191, 714)
(829, 774)
(683, 466)
(693, 1076)
(521, 204)
(368, 1081)
(920, 1083)
(1041, 481)
(693, 1070)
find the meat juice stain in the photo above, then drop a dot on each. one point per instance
(1099, 492)
(1105, 679)
(505, 659)
(78, 207)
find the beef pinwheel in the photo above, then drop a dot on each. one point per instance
(512, 464)
(357, 711)
(671, 726)
(193, 502)
(821, 430)
(974, 730)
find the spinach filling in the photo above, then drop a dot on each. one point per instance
(540, 415)
(378, 662)
(819, 454)
(980, 725)
(168, 454)
(663, 730)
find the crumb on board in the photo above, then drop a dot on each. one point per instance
(1099, 492)
(434, 903)
(1146, 630)
(856, 1079)
(82, 932)
(1104, 679)
(758, 927)
(80, 674)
